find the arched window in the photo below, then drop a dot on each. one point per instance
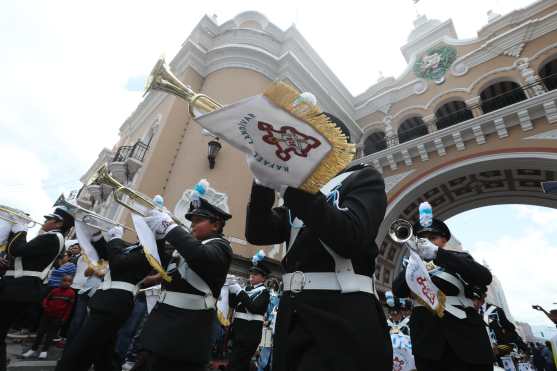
(375, 142)
(501, 94)
(411, 128)
(548, 74)
(452, 113)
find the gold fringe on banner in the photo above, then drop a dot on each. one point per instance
(157, 266)
(342, 152)
(440, 310)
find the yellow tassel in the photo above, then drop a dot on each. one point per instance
(223, 321)
(342, 152)
(440, 310)
(157, 266)
(3, 247)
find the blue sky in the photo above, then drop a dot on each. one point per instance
(73, 71)
(519, 243)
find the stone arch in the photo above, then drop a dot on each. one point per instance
(508, 73)
(450, 96)
(482, 180)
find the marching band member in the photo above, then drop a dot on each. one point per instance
(326, 320)
(250, 307)
(110, 306)
(397, 321)
(178, 331)
(457, 340)
(501, 331)
(29, 264)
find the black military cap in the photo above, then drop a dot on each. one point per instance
(261, 267)
(205, 209)
(437, 227)
(61, 214)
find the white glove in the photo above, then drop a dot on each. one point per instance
(160, 223)
(16, 228)
(114, 232)
(426, 249)
(235, 288)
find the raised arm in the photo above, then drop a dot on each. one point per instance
(464, 264)
(354, 223)
(265, 225)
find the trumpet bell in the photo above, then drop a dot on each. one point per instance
(401, 231)
(162, 78)
(88, 217)
(15, 216)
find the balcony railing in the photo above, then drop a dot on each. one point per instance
(137, 151)
(475, 129)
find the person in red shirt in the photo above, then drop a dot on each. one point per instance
(57, 307)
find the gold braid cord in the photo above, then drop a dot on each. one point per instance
(342, 152)
(157, 266)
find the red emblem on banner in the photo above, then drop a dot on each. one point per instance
(398, 364)
(287, 140)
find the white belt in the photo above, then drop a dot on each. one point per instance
(249, 316)
(120, 285)
(187, 301)
(298, 281)
(36, 274)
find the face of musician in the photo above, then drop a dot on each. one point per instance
(75, 250)
(396, 315)
(201, 228)
(66, 282)
(256, 278)
(52, 224)
(437, 240)
(478, 303)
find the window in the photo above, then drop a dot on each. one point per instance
(375, 142)
(411, 128)
(548, 74)
(501, 94)
(452, 113)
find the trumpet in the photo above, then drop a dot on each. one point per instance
(162, 78)
(401, 231)
(15, 216)
(89, 217)
(127, 197)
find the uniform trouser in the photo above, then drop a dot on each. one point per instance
(94, 344)
(11, 311)
(448, 362)
(243, 349)
(48, 329)
(150, 362)
(79, 316)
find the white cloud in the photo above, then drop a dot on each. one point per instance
(24, 188)
(526, 268)
(541, 217)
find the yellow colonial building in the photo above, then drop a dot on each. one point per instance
(469, 123)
